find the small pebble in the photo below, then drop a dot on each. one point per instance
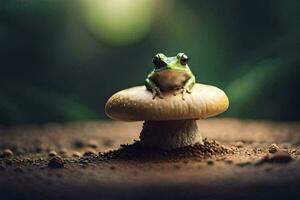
(112, 168)
(210, 162)
(7, 153)
(84, 162)
(76, 154)
(93, 144)
(228, 161)
(56, 162)
(52, 153)
(281, 157)
(100, 154)
(273, 148)
(83, 166)
(239, 144)
(90, 152)
(243, 164)
(78, 144)
(28, 160)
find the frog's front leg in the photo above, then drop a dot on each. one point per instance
(150, 85)
(189, 84)
(186, 88)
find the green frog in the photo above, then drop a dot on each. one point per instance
(170, 74)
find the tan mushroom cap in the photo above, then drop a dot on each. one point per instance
(136, 104)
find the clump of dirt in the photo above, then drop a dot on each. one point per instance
(278, 157)
(56, 162)
(198, 151)
(6, 153)
(52, 153)
(273, 148)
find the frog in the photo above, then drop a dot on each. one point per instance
(170, 74)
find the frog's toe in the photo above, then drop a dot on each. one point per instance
(156, 93)
(183, 93)
(177, 91)
(159, 94)
(188, 90)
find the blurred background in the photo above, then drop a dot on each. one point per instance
(61, 60)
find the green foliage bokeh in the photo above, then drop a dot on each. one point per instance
(61, 60)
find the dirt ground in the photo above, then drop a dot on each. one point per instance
(236, 162)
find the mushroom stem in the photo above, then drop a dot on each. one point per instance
(170, 134)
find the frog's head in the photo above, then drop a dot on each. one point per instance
(178, 62)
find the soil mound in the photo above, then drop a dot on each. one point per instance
(135, 151)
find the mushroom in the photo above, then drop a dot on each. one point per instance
(170, 122)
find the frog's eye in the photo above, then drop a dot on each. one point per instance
(184, 59)
(156, 58)
(158, 62)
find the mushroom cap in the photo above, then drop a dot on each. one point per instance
(136, 104)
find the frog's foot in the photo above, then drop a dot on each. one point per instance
(156, 92)
(182, 91)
